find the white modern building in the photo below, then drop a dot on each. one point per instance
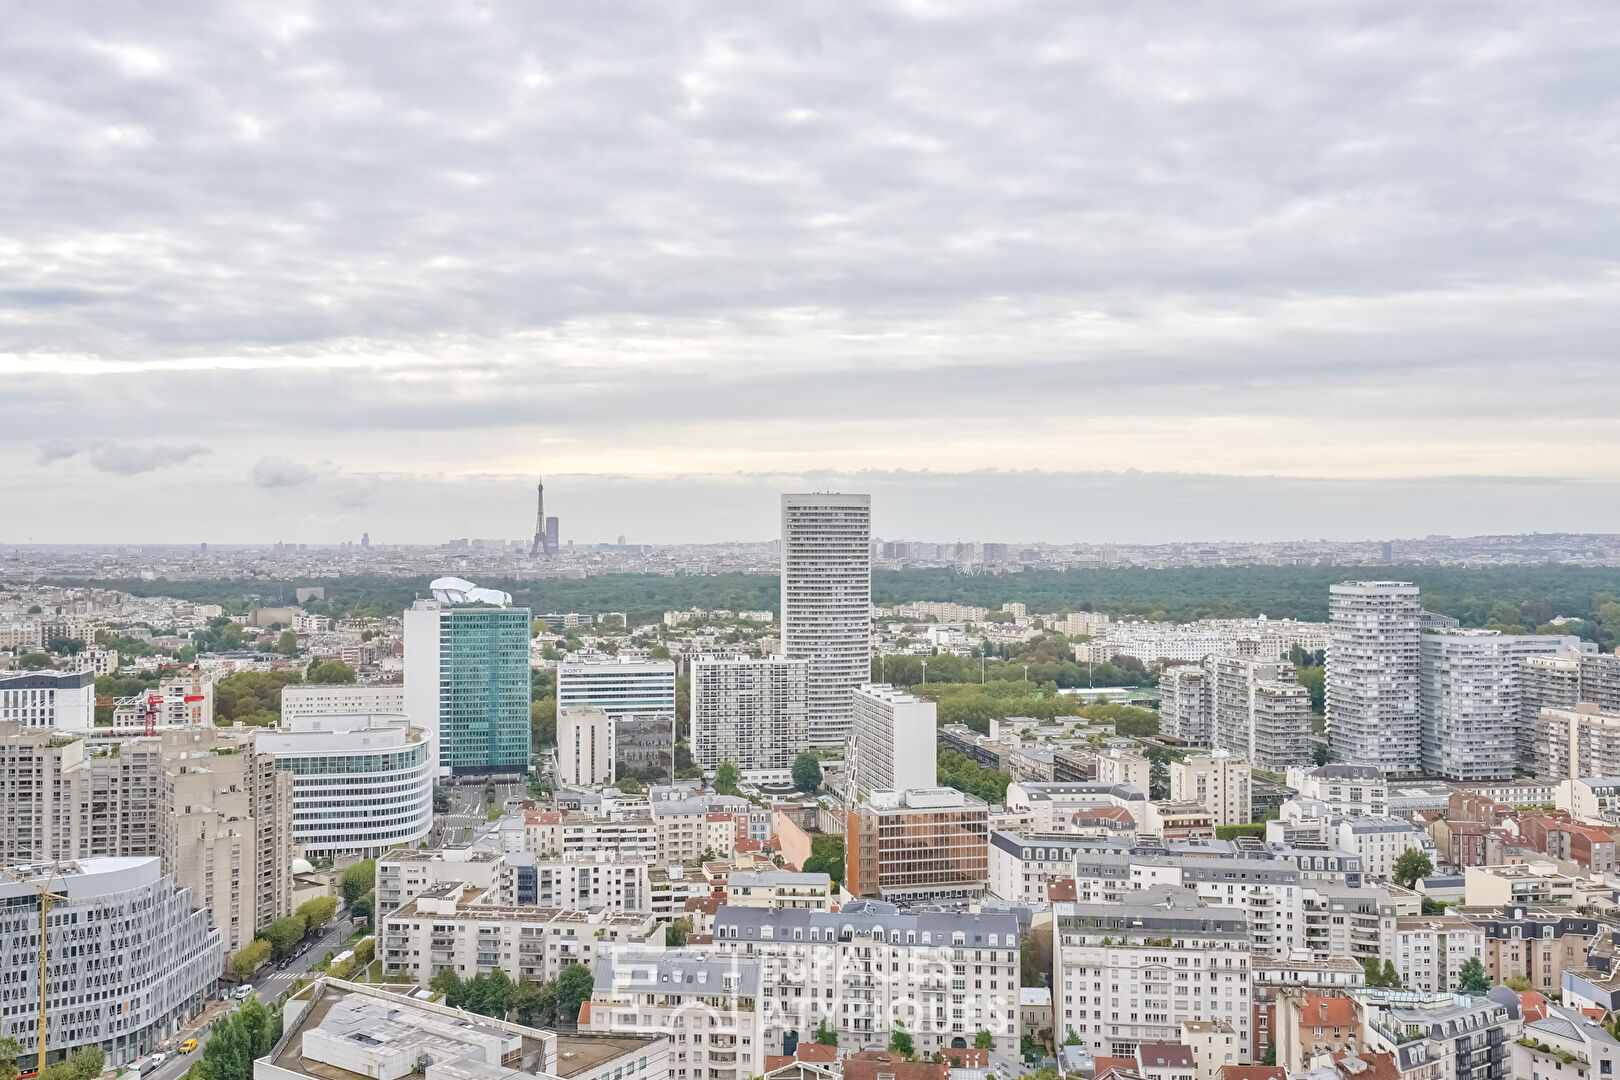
(361, 784)
(1374, 710)
(750, 712)
(1471, 709)
(891, 745)
(620, 688)
(342, 699)
(585, 746)
(64, 700)
(1254, 708)
(827, 603)
(131, 960)
(1220, 782)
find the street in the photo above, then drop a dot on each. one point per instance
(467, 811)
(268, 984)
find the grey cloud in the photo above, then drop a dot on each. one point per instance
(120, 459)
(657, 219)
(275, 472)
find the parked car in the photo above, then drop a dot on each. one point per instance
(188, 1046)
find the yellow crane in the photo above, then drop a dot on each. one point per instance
(46, 899)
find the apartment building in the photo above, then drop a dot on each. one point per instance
(56, 700)
(1536, 941)
(1116, 766)
(1561, 1037)
(584, 882)
(131, 958)
(455, 926)
(227, 831)
(827, 604)
(1347, 790)
(1600, 680)
(586, 755)
(405, 873)
(779, 889)
(1441, 1035)
(705, 1007)
(1023, 864)
(688, 830)
(1373, 680)
(201, 801)
(555, 832)
(1184, 711)
(1578, 742)
(749, 712)
(926, 844)
(1545, 682)
(1431, 949)
(1051, 805)
(1380, 841)
(945, 975)
(1470, 699)
(184, 697)
(888, 728)
(1220, 782)
(1134, 971)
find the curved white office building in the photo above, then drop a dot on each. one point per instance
(361, 784)
(130, 960)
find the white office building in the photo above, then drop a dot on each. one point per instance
(1220, 782)
(749, 712)
(643, 688)
(131, 960)
(1374, 711)
(342, 699)
(585, 746)
(361, 784)
(1471, 709)
(827, 603)
(64, 700)
(891, 746)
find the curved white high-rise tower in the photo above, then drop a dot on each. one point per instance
(827, 604)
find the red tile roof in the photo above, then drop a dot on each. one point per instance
(1253, 1072)
(1316, 1010)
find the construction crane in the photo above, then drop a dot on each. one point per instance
(46, 899)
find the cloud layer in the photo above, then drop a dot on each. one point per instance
(1361, 242)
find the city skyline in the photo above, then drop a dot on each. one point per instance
(1302, 272)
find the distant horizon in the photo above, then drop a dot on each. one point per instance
(516, 542)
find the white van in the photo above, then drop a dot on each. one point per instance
(243, 992)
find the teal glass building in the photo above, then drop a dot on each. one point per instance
(467, 684)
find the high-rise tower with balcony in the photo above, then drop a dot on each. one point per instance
(1373, 687)
(827, 604)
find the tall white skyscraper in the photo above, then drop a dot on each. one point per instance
(1373, 664)
(748, 712)
(827, 603)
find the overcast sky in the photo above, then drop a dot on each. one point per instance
(1066, 271)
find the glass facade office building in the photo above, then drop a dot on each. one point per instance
(467, 684)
